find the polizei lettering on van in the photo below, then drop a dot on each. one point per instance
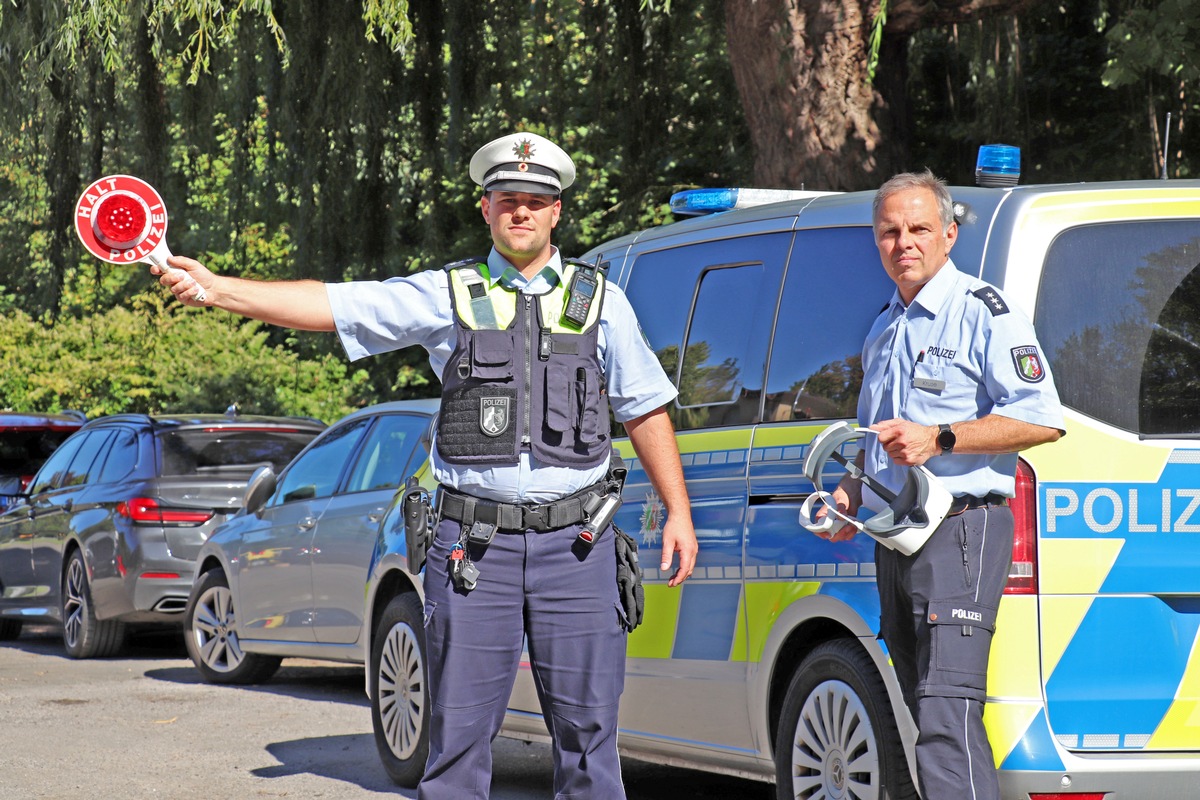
(1132, 509)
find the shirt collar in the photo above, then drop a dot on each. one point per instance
(500, 271)
(933, 294)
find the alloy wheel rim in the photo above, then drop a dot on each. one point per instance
(214, 631)
(401, 692)
(74, 603)
(835, 754)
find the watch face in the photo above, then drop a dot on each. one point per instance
(946, 438)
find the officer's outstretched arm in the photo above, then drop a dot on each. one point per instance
(302, 305)
(653, 438)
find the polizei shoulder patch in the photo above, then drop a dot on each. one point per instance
(992, 299)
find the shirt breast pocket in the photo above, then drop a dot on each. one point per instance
(938, 388)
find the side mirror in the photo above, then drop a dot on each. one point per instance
(258, 489)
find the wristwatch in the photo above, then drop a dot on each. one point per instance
(946, 439)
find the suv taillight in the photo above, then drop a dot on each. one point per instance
(1022, 577)
(147, 511)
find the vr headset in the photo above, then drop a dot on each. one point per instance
(910, 517)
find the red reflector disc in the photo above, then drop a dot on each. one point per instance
(586, 536)
(120, 220)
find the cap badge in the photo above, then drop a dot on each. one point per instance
(523, 149)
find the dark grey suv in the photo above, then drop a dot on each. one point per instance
(107, 533)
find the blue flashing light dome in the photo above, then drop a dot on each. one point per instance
(998, 165)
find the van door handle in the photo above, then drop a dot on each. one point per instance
(307, 524)
(376, 514)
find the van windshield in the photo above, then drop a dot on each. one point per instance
(1118, 313)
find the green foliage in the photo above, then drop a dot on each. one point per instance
(153, 357)
(1162, 40)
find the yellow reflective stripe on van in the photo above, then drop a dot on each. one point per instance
(1076, 566)
(1180, 726)
(1076, 208)
(1087, 454)
(655, 637)
(765, 602)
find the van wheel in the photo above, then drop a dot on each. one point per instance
(9, 629)
(837, 736)
(83, 634)
(210, 633)
(400, 690)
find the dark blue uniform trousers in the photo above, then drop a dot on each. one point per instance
(938, 613)
(564, 601)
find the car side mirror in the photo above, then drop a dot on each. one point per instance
(258, 489)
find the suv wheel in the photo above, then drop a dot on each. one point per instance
(399, 690)
(837, 736)
(210, 631)
(83, 634)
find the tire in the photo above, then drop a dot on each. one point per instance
(400, 690)
(9, 629)
(210, 633)
(85, 636)
(837, 735)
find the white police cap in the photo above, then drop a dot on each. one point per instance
(522, 162)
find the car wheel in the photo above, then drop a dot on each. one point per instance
(837, 735)
(210, 631)
(84, 635)
(9, 629)
(400, 690)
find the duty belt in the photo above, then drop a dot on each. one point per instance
(967, 502)
(560, 513)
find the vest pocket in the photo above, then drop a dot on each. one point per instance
(492, 355)
(561, 402)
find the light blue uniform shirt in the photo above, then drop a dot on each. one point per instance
(957, 352)
(375, 317)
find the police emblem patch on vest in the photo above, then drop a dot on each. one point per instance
(494, 416)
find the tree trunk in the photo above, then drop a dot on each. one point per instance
(801, 70)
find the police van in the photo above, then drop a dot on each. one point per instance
(766, 663)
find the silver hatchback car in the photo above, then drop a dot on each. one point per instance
(285, 577)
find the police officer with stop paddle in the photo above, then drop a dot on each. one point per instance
(533, 351)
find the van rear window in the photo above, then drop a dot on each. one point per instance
(1118, 313)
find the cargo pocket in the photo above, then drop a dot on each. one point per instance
(560, 398)
(492, 355)
(960, 638)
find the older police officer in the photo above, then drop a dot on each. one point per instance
(532, 352)
(953, 380)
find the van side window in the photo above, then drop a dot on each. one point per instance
(834, 289)
(714, 302)
(1118, 312)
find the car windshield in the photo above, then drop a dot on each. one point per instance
(229, 449)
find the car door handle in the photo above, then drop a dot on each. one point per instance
(376, 514)
(307, 524)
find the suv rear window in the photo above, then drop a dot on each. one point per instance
(227, 449)
(1118, 313)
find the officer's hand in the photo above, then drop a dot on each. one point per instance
(187, 280)
(848, 506)
(679, 537)
(907, 443)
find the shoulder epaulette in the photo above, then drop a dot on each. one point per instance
(992, 299)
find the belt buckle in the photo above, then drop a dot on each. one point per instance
(535, 517)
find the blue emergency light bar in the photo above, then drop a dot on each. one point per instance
(998, 165)
(694, 202)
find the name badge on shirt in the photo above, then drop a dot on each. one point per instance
(932, 384)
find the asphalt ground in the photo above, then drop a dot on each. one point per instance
(144, 725)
